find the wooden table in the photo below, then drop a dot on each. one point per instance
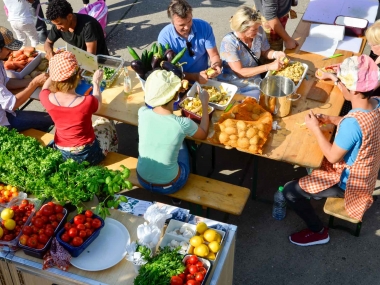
(26, 269)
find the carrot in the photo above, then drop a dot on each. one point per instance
(19, 64)
(21, 57)
(29, 49)
(18, 70)
(30, 59)
(17, 53)
(9, 65)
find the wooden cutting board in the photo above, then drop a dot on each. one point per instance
(320, 91)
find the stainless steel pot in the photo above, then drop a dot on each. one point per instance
(278, 94)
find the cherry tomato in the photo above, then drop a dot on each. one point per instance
(58, 209)
(199, 264)
(32, 242)
(189, 277)
(54, 224)
(45, 219)
(52, 218)
(47, 210)
(88, 214)
(42, 238)
(82, 234)
(67, 226)
(89, 220)
(51, 204)
(79, 219)
(192, 282)
(24, 202)
(202, 270)
(176, 280)
(49, 232)
(182, 276)
(40, 245)
(73, 232)
(24, 219)
(38, 223)
(193, 259)
(38, 214)
(81, 227)
(193, 269)
(59, 217)
(199, 276)
(27, 230)
(89, 232)
(65, 237)
(87, 225)
(24, 239)
(77, 241)
(96, 223)
(8, 237)
(35, 229)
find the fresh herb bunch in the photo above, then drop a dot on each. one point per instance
(41, 171)
(145, 252)
(161, 268)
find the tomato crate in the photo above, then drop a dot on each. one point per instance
(39, 253)
(206, 264)
(75, 251)
(12, 245)
(21, 195)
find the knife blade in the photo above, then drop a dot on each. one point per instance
(333, 56)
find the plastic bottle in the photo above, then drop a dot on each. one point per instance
(127, 82)
(279, 205)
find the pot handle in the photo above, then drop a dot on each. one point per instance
(294, 99)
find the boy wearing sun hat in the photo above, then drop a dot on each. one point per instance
(163, 163)
(9, 103)
(352, 161)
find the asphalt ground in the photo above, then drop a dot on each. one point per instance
(264, 254)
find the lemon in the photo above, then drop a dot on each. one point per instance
(202, 250)
(13, 189)
(9, 187)
(196, 241)
(201, 227)
(211, 256)
(7, 214)
(1, 232)
(219, 238)
(210, 235)
(214, 246)
(9, 224)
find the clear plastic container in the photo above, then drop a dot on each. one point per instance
(279, 205)
(106, 61)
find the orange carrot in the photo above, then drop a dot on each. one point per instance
(21, 57)
(17, 53)
(30, 59)
(9, 65)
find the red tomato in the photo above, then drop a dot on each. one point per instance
(65, 237)
(190, 277)
(47, 210)
(27, 230)
(38, 223)
(193, 269)
(42, 238)
(96, 223)
(24, 239)
(41, 231)
(29, 207)
(88, 214)
(59, 217)
(38, 213)
(52, 218)
(67, 226)
(40, 245)
(199, 276)
(82, 234)
(193, 259)
(87, 225)
(54, 224)
(24, 219)
(14, 208)
(51, 204)
(35, 229)
(176, 280)
(192, 282)
(24, 202)
(182, 276)
(77, 241)
(73, 232)
(89, 220)
(32, 242)
(199, 264)
(79, 219)
(58, 209)
(81, 227)
(8, 237)
(202, 270)
(89, 232)
(45, 219)
(49, 232)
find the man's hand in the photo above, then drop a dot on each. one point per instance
(291, 43)
(40, 79)
(202, 77)
(49, 54)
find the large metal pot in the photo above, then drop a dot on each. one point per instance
(278, 94)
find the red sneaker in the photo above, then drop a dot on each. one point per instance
(307, 237)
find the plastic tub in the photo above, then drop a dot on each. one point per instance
(196, 118)
(27, 70)
(39, 253)
(106, 61)
(206, 264)
(354, 27)
(75, 251)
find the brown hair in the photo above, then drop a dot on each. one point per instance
(180, 8)
(66, 85)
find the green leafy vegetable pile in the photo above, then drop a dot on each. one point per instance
(161, 268)
(41, 171)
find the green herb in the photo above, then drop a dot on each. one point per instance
(145, 251)
(108, 72)
(161, 268)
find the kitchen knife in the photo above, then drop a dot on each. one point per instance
(333, 56)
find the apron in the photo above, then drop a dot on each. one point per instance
(363, 173)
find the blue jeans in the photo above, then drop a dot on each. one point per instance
(91, 153)
(184, 165)
(25, 120)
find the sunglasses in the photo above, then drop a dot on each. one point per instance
(189, 46)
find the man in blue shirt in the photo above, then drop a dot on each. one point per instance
(197, 36)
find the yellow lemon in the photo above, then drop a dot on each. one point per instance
(7, 214)
(13, 189)
(201, 227)
(214, 246)
(211, 256)
(219, 238)
(9, 187)
(9, 224)
(1, 232)
(202, 250)
(196, 241)
(210, 235)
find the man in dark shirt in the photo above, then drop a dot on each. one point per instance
(79, 30)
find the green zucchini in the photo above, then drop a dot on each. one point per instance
(150, 57)
(153, 47)
(133, 53)
(160, 51)
(167, 46)
(178, 56)
(146, 62)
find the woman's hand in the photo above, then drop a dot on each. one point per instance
(275, 65)
(312, 121)
(97, 77)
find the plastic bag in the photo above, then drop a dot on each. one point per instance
(99, 11)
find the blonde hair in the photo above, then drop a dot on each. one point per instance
(244, 18)
(66, 85)
(373, 33)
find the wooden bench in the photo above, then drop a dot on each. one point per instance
(209, 193)
(335, 208)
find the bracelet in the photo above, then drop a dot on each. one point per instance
(274, 55)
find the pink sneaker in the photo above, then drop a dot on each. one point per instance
(307, 237)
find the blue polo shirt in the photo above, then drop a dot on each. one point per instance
(201, 38)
